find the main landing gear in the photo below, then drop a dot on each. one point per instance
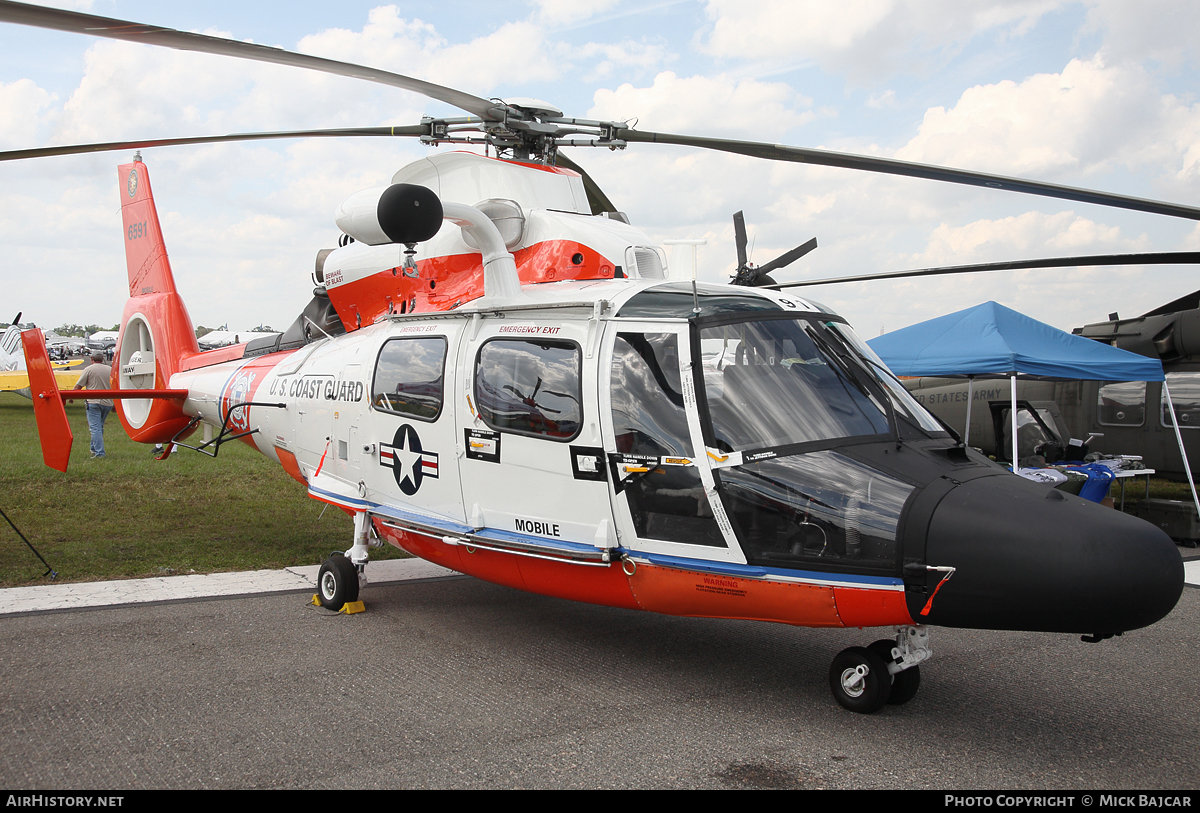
(341, 575)
(865, 679)
(337, 583)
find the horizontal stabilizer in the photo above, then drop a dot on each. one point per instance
(53, 429)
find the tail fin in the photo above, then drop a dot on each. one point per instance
(156, 331)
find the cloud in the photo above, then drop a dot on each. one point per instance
(569, 12)
(881, 100)
(513, 53)
(705, 105)
(21, 103)
(865, 39)
(1167, 31)
(1026, 235)
(1088, 118)
(601, 60)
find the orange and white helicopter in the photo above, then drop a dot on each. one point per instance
(495, 374)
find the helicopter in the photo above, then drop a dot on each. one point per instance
(495, 374)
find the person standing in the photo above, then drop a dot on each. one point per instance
(96, 376)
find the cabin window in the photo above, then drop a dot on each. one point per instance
(668, 502)
(409, 378)
(530, 387)
(1122, 403)
(1185, 395)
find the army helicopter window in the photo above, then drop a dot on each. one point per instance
(409, 377)
(1185, 395)
(1122, 403)
(530, 387)
(668, 502)
(1034, 433)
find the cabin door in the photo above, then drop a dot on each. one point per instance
(411, 449)
(665, 500)
(533, 466)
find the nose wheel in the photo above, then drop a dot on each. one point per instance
(860, 681)
(865, 679)
(337, 582)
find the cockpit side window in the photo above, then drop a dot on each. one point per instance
(667, 502)
(647, 399)
(409, 378)
(531, 387)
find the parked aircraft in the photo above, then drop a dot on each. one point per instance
(13, 377)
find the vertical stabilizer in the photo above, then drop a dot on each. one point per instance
(156, 330)
(145, 251)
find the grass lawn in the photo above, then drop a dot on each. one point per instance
(129, 515)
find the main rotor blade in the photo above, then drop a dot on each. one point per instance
(890, 166)
(739, 238)
(1153, 258)
(92, 25)
(788, 258)
(77, 149)
(597, 200)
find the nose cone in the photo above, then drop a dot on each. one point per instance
(1028, 557)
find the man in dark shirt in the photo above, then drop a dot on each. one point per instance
(96, 376)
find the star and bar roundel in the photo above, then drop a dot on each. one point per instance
(410, 464)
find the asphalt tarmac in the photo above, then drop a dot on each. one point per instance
(456, 683)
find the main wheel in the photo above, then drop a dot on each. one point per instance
(337, 583)
(904, 683)
(860, 681)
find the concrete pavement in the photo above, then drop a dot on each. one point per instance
(174, 588)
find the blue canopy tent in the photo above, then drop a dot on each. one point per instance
(990, 340)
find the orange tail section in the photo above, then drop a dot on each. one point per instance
(156, 331)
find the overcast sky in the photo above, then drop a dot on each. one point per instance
(1098, 93)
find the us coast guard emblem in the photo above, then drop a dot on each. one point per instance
(238, 392)
(410, 464)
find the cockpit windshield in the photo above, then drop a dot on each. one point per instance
(772, 382)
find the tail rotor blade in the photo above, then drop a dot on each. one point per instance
(739, 238)
(788, 258)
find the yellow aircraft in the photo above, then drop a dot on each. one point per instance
(14, 378)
